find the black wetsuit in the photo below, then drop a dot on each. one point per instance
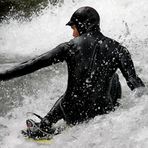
(93, 86)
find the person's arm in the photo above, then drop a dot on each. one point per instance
(128, 70)
(56, 55)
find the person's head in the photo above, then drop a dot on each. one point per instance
(83, 19)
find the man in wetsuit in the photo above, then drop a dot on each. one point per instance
(92, 60)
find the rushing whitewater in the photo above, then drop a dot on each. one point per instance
(127, 127)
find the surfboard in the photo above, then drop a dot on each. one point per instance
(44, 140)
(40, 141)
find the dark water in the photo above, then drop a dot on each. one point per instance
(24, 8)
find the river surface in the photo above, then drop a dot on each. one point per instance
(127, 22)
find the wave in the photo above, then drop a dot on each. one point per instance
(125, 21)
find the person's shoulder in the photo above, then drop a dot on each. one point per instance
(76, 43)
(78, 40)
(65, 45)
(110, 41)
(115, 43)
(116, 47)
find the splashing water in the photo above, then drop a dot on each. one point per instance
(127, 127)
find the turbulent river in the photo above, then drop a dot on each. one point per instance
(127, 127)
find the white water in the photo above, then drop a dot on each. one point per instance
(127, 127)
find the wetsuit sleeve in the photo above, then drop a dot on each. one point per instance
(56, 55)
(127, 68)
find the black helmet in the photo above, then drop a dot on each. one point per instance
(85, 18)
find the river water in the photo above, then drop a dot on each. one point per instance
(127, 127)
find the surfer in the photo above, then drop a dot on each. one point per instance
(92, 60)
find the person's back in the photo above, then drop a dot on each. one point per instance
(92, 62)
(91, 67)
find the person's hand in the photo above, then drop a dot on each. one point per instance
(140, 91)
